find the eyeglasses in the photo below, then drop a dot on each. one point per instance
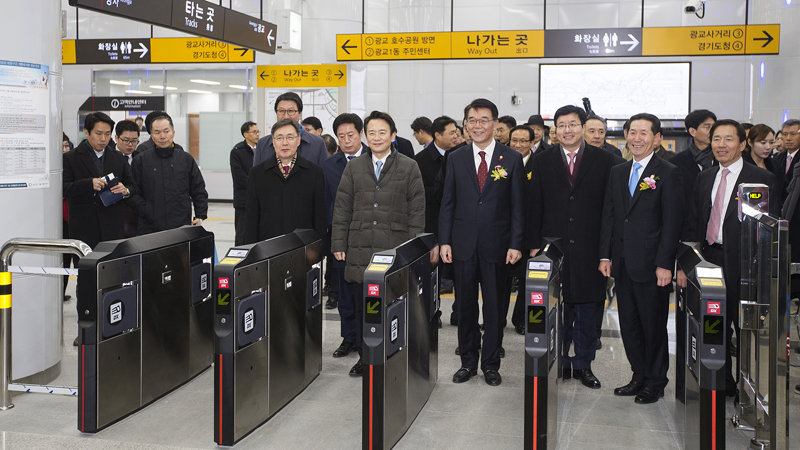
(572, 126)
(129, 141)
(519, 141)
(287, 138)
(285, 112)
(254, 132)
(482, 122)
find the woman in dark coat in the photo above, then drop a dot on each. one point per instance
(286, 191)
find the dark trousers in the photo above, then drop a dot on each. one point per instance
(577, 326)
(331, 277)
(239, 218)
(505, 303)
(347, 310)
(490, 276)
(68, 257)
(358, 295)
(643, 312)
(717, 256)
(599, 315)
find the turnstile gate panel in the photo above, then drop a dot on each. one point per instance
(401, 335)
(141, 331)
(542, 300)
(703, 411)
(268, 330)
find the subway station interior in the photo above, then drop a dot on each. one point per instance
(200, 334)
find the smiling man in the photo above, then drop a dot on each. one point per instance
(641, 225)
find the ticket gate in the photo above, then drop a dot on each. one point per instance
(401, 339)
(144, 321)
(267, 330)
(703, 412)
(542, 299)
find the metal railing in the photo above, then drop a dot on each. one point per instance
(8, 250)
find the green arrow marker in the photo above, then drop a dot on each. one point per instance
(372, 308)
(710, 328)
(221, 301)
(535, 319)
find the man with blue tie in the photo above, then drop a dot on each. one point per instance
(481, 229)
(642, 220)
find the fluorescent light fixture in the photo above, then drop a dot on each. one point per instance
(134, 91)
(196, 91)
(237, 86)
(211, 83)
(169, 88)
(120, 83)
(762, 70)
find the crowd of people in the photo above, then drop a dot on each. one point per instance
(494, 192)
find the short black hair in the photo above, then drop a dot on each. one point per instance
(148, 120)
(698, 116)
(65, 138)
(479, 103)
(138, 118)
(601, 120)
(246, 127)
(313, 121)
(97, 117)
(350, 118)
(440, 124)
(126, 125)
(509, 121)
(283, 122)
(655, 123)
(460, 128)
(627, 125)
(422, 123)
(291, 97)
(790, 123)
(161, 116)
(382, 116)
(523, 128)
(740, 132)
(330, 144)
(570, 109)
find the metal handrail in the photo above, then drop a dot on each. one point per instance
(11, 247)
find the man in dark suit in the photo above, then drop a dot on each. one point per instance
(127, 137)
(403, 146)
(566, 201)
(286, 192)
(349, 130)
(714, 220)
(241, 161)
(787, 159)
(481, 230)
(421, 126)
(290, 106)
(642, 219)
(536, 123)
(595, 134)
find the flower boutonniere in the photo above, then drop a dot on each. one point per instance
(648, 183)
(499, 172)
(529, 176)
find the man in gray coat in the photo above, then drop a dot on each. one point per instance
(379, 205)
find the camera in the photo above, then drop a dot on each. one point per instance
(694, 6)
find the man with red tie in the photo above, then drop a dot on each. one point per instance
(481, 228)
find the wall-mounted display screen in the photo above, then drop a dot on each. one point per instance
(617, 91)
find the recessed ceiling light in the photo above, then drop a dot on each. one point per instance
(120, 83)
(237, 86)
(134, 91)
(169, 88)
(212, 83)
(196, 91)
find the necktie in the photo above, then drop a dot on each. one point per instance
(378, 170)
(483, 170)
(350, 157)
(715, 220)
(634, 178)
(788, 162)
(571, 167)
(286, 170)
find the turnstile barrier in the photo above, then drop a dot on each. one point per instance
(267, 330)
(401, 339)
(144, 321)
(704, 392)
(542, 301)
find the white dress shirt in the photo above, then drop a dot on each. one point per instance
(644, 162)
(375, 162)
(489, 152)
(441, 152)
(733, 175)
(526, 158)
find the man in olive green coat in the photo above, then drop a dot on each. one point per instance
(379, 205)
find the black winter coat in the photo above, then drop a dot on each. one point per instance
(241, 163)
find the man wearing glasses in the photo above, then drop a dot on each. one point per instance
(311, 147)
(241, 162)
(285, 192)
(565, 200)
(127, 137)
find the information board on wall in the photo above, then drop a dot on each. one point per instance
(24, 125)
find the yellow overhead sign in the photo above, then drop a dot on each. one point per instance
(302, 76)
(716, 40)
(197, 50)
(392, 46)
(497, 44)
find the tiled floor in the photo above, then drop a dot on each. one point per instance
(327, 414)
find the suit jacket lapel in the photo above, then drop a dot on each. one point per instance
(87, 161)
(733, 203)
(650, 169)
(496, 161)
(586, 160)
(558, 166)
(469, 161)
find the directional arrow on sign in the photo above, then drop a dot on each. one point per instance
(633, 42)
(768, 38)
(372, 308)
(244, 50)
(142, 49)
(222, 301)
(535, 319)
(340, 74)
(345, 46)
(261, 75)
(711, 328)
(270, 38)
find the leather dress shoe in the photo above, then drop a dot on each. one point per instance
(326, 290)
(492, 377)
(649, 395)
(587, 378)
(344, 349)
(458, 351)
(332, 303)
(355, 371)
(630, 389)
(599, 344)
(463, 374)
(502, 352)
(520, 330)
(566, 374)
(454, 319)
(797, 389)
(67, 298)
(75, 342)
